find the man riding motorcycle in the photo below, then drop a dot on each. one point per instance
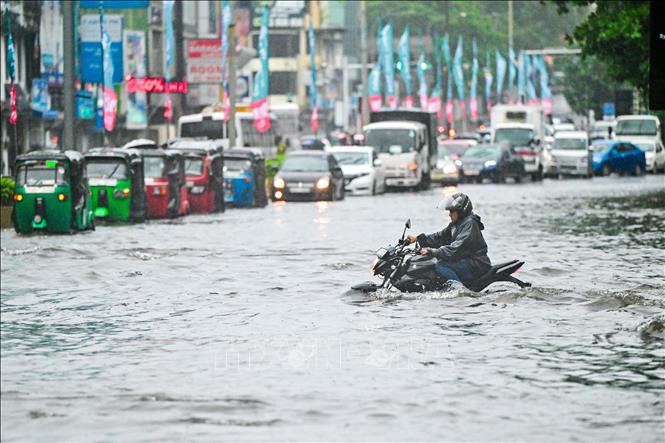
(460, 247)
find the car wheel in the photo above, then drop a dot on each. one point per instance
(605, 171)
(638, 170)
(518, 178)
(342, 192)
(374, 187)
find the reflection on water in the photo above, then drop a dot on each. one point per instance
(241, 325)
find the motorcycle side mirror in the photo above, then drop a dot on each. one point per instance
(408, 224)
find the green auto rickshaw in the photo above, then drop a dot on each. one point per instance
(51, 193)
(117, 185)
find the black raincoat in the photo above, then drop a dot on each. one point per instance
(461, 240)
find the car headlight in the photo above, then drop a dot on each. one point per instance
(278, 182)
(490, 163)
(458, 163)
(323, 183)
(449, 169)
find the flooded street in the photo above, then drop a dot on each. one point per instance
(241, 325)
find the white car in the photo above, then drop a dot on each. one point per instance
(363, 174)
(570, 154)
(563, 127)
(654, 153)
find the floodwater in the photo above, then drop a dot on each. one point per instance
(241, 326)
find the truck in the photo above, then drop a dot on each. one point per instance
(405, 142)
(523, 128)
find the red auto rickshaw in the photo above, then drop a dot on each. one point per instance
(165, 182)
(204, 171)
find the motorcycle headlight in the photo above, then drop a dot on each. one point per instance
(372, 265)
(381, 253)
(278, 182)
(449, 169)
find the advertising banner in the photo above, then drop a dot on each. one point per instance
(388, 64)
(473, 95)
(500, 75)
(134, 65)
(404, 54)
(314, 121)
(204, 61)
(260, 107)
(51, 42)
(420, 72)
(39, 95)
(91, 47)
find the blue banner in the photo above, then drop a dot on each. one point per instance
(511, 73)
(404, 53)
(458, 73)
(91, 47)
(170, 41)
(388, 64)
(500, 74)
(474, 70)
(115, 4)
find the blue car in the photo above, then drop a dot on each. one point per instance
(617, 156)
(244, 178)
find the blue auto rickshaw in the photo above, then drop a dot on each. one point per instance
(244, 178)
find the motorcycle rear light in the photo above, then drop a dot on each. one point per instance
(121, 193)
(62, 197)
(18, 197)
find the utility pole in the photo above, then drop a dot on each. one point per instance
(230, 37)
(68, 139)
(510, 23)
(363, 56)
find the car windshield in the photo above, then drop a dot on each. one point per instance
(305, 163)
(153, 167)
(391, 141)
(193, 166)
(237, 164)
(601, 147)
(646, 147)
(636, 127)
(40, 175)
(455, 150)
(111, 168)
(570, 143)
(514, 136)
(352, 158)
(482, 152)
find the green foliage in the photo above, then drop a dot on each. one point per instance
(6, 190)
(587, 84)
(617, 34)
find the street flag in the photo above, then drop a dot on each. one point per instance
(404, 53)
(521, 77)
(226, 21)
(109, 96)
(500, 75)
(458, 75)
(434, 103)
(11, 66)
(531, 89)
(445, 46)
(545, 92)
(260, 90)
(488, 82)
(420, 71)
(388, 64)
(473, 95)
(314, 121)
(169, 44)
(375, 88)
(511, 73)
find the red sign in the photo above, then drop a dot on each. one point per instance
(13, 115)
(110, 108)
(154, 84)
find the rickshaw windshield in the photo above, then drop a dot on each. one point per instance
(40, 175)
(193, 166)
(106, 169)
(153, 167)
(237, 164)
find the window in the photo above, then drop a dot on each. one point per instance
(153, 167)
(40, 175)
(107, 169)
(283, 82)
(281, 45)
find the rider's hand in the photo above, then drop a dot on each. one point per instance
(411, 239)
(424, 251)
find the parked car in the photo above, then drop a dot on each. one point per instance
(446, 171)
(309, 175)
(363, 173)
(655, 155)
(618, 156)
(569, 155)
(496, 162)
(563, 127)
(456, 148)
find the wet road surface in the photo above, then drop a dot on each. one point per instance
(241, 326)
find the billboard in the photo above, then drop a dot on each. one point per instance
(204, 61)
(136, 103)
(51, 41)
(91, 47)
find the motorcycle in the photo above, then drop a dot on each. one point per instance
(402, 267)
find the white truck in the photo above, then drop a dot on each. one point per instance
(405, 142)
(523, 128)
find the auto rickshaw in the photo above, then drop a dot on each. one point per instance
(204, 170)
(51, 193)
(115, 178)
(164, 175)
(244, 175)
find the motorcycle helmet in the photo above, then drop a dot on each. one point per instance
(457, 202)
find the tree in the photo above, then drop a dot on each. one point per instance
(587, 84)
(617, 34)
